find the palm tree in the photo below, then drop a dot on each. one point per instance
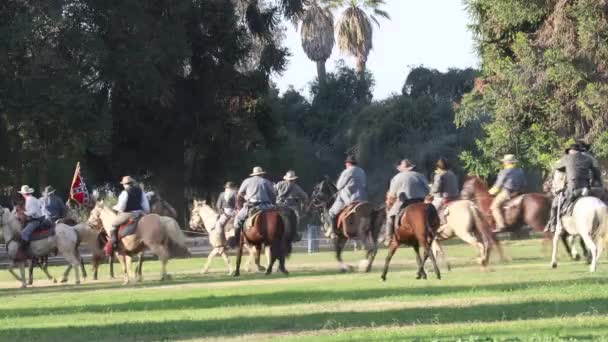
(317, 32)
(354, 29)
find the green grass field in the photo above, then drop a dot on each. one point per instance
(520, 300)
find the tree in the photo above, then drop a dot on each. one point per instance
(317, 32)
(543, 80)
(354, 29)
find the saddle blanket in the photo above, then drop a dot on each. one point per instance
(45, 230)
(129, 227)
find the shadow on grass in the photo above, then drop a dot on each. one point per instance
(289, 297)
(202, 327)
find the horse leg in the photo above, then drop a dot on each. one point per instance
(592, 248)
(372, 250)
(339, 243)
(556, 238)
(267, 255)
(568, 242)
(140, 266)
(82, 268)
(66, 274)
(273, 258)
(31, 271)
(437, 249)
(111, 262)
(429, 254)
(421, 272)
(224, 256)
(95, 266)
(209, 259)
(22, 273)
(475, 243)
(123, 263)
(45, 268)
(239, 254)
(392, 248)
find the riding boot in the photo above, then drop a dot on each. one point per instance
(234, 241)
(389, 231)
(114, 239)
(552, 220)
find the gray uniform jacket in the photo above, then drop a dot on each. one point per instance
(412, 184)
(511, 179)
(579, 169)
(258, 190)
(290, 193)
(445, 185)
(352, 185)
(223, 203)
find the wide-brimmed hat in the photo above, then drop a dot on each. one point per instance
(509, 158)
(48, 190)
(351, 159)
(290, 175)
(257, 171)
(584, 146)
(229, 185)
(25, 189)
(407, 164)
(127, 180)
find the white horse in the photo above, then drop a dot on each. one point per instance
(589, 220)
(65, 241)
(203, 216)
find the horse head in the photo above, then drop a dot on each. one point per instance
(323, 193)
(473, 186)
(196, 222)
(94, 221)
(10, 224)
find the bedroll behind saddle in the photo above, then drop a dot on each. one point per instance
(129, 227)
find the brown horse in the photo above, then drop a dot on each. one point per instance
(417, 228)
(267, 230)
(359, 220)
(531, 209)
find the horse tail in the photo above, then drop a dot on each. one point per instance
(601, 235)
(177, 239)
(482, 228)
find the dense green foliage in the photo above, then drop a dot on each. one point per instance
(543, 79)
(522, 300)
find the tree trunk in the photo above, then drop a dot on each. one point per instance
(360, 68)
(321, 72)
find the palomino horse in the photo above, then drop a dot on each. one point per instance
(159, 234)
(95, 240)
(417, 226)
(267, 229)
(65, 241)
(463, 219)
(589, 219)
(358, 220)
(204, 217)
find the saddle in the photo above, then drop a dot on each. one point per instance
(254, 213)
(45, 229)
(346, 218)
(129, 227)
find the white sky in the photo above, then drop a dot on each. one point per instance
(432, 33)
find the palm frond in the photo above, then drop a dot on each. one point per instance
(317, 33)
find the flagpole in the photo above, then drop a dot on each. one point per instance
(74, 180)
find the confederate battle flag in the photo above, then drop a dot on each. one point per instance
(78, 191)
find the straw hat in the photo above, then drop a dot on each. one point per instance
(127, 180)
(407, 164)
(257, 171)
(290, 175)
(25, 189)
(509, 158)
(48, 190)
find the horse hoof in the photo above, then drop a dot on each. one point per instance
(343, 270)
(54, 280)
(285, 272)
(140, 279)
(30, 282)
(205, 271)
(576, 257)
(383, 278)
(77, 283)
(554, 265)
(261, 269)
(235, 274)
(23, 286)
(63, 281)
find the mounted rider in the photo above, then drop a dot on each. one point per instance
(445, 185)
(33, 215)
(258, 194)
(585, 149)
(132, 203)
(226, 206)
(290, 195)
(511, 181)
(581, 173)
(407, 187)
(352, 187)
(53, 207)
